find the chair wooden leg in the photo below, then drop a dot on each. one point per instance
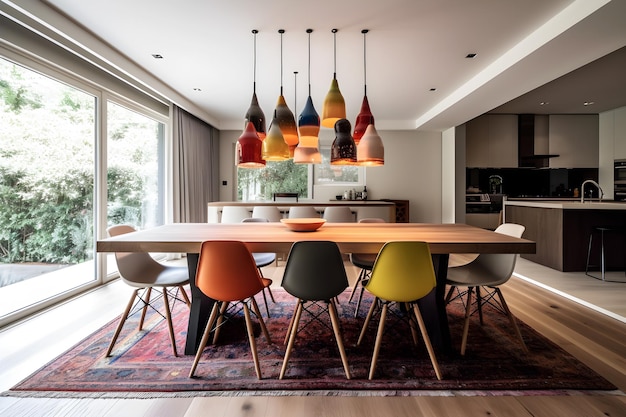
(184, 295)
(220, 320)
(293, 330)
(145, 307)
(468, 308)
(121, 323)
(367, 321)
(512, 319)
(379, 337)
(293, 316)
(255, 307)
(168, 316)
(334, 319)
(479, 303)
(412, 325)
(255, 354)
(429, 346)
(205, 337)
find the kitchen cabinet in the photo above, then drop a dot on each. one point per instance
(575, 138)
(491, 141)
(619, 133)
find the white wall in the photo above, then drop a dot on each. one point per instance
(412, 171)
(612, 132)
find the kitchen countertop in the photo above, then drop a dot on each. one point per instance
(567, 204)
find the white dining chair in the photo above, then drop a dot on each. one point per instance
(338, 214)
(271, 213)
(303, 212)
(234, 214)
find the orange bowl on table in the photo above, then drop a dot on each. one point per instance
(303, 224)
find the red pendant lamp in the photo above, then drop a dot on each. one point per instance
(255, 114)
(365, 116)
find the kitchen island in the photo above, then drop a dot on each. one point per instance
(561, 229)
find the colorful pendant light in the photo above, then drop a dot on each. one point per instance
(334, 104)
(370, 150)
(307, 151)
(255, 114)
(365, 116)
(343, 149)
(249, 147)
(283, 115)
(274, 147)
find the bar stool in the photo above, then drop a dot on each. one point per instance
(602, 230)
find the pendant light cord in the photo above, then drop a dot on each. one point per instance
(281, 31)
(334, 53)
(254, 31)
(309, 32)
(364, 31)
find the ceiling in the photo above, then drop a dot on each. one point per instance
(418, 75)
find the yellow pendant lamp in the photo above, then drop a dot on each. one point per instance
(307, 151)
(334, 104)
(274, 146)
(283, 115)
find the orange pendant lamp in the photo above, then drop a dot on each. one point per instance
(254, 114)
(283, 115)
(307, 151)
(334, 104)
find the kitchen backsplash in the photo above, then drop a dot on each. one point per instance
(524, 182)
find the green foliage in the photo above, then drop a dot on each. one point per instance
(261, 184)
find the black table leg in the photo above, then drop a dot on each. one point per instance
(201, 306)
(433, 307)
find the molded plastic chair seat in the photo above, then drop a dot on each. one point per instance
(315, 273)
(338, 214)
(303, 212)
(141, 271)
(490, 271)
(227, 274)
(402, 274)
(271, 213)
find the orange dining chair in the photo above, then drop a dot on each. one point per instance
(140, 271)
(402, 274)
(227, 274)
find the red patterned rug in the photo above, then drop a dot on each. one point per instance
(143, 362)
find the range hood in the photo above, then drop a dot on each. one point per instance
(527, 128)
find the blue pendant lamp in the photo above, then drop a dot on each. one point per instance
(284, 116)
(255, 114)
(307, 151)
(334, 104)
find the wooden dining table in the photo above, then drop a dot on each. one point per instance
(443, 240)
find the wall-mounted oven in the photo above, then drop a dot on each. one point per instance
(619, 176)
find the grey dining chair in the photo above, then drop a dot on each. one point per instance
(314, 274)
(140, 271)
(488, 272)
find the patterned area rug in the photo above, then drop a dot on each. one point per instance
(143, 361)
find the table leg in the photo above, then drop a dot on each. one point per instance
(201, 306)
(433, 307)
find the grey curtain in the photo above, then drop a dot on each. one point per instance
(196, 167)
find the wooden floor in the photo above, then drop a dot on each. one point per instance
(596, 336)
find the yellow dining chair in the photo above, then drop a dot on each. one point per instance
(402, 274)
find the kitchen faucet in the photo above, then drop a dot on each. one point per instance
(582, 190)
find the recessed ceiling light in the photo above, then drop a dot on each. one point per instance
(544, 103)
(197, 89)
(157, 56)
(433, 89)
(470, 55)
(588, 103)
